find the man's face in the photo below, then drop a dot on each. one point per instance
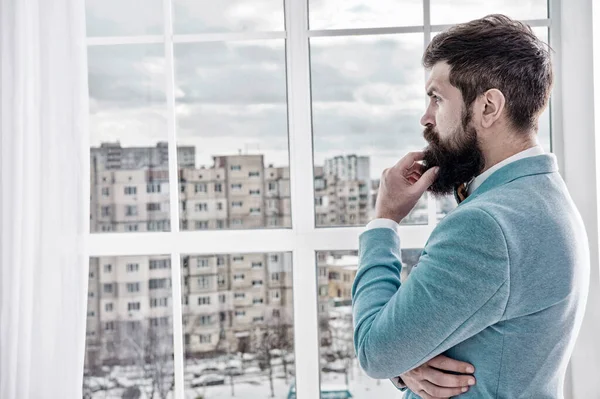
(452, 138)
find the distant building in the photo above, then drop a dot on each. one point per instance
(224, 297)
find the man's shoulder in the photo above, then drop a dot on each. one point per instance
(474, 214)
(469, 225)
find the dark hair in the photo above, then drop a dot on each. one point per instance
(496, 52)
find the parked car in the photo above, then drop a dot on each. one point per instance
(232, 370)
(208, 380)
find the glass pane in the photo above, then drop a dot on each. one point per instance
(444, 206)
(129, 335)
(238, 325)
(206, 16)
(451, 11)
(129, 154)
(231, 108)
(340, 370)
(346, 14)
(124, 17)
(368, 99)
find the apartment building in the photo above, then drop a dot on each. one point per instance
(278, 207)
(112, 156)
(203, 199)
(129, 303)
(342, 192)
(244, 176)
(224, 297)
(130, 200)
(348, 168)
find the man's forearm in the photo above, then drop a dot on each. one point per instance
(376, 282)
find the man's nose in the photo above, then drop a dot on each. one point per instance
(427, 119)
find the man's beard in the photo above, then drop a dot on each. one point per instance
(459, 160)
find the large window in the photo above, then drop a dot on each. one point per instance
(231, 144)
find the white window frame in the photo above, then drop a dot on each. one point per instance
(575, 147)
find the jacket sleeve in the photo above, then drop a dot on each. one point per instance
(459, 287)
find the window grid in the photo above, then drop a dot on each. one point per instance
(303, 239)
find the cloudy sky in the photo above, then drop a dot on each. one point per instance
(368, 91)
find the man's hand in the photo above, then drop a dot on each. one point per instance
(401, 186)
(430, 382)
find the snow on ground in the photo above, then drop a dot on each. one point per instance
(257, 387)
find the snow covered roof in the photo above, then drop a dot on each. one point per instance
(348, 262)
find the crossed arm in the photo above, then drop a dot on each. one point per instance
(458, 288)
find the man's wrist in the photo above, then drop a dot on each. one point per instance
(383, 214)
(382, 223)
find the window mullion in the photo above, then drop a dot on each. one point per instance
(178, 355)
(302, 198)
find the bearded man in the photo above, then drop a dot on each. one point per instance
(495, 303)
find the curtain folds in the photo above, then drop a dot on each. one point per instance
(44, 200)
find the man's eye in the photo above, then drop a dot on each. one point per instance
(436, 99)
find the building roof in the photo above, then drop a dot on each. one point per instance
(347, 262)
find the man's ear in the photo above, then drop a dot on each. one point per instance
(491, 105)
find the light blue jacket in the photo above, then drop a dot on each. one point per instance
(501, 284)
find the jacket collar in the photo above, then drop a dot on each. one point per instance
(541, 164)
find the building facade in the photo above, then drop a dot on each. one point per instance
(225, 297)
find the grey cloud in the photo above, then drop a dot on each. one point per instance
(223, 73)
(363, 133)
(124, 17)
(225, 87)
(389, 63)
(209, 16)
(117, 76)
(268, 124)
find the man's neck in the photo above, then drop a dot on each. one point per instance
(500, 151)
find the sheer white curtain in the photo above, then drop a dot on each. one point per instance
(43, 198)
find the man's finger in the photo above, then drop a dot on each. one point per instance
(446, 380)
(409, 159)
(445, 363)
(426, 180)
(415, 176)
(417, 168)
(441, 392)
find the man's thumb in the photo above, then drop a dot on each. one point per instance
(427, 179)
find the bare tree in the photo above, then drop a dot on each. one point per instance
(159, 360)
(223, 345)
(283, 330)
(273, 334)
(149, 348)
(342, 344)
